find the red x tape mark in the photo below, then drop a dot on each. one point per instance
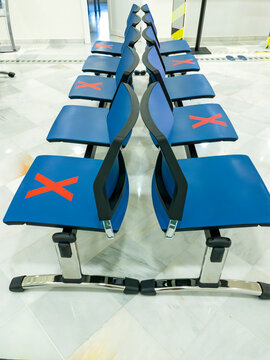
(53, 186)
(84, 84)
(188, 61)
(204, 121)
(106, 46)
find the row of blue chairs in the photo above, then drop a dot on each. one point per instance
(197, 193)
(208, 193)
(87, 193)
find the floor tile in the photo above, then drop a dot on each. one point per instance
(119, 339)
(23, 338)
(71, 317)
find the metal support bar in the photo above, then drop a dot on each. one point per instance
(13, 46)
(90, 151)
(69, 261)
(68, 256)
(215, 255)
(126, 285)
(198, 49)
(152, 287)
(71, 276)
(200, 25)
(209, 281)
(191, 151)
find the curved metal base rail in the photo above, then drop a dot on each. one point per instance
(152, 287)
(126, 285)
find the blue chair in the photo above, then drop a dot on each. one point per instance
(167, 47)
(209, 194)
(91, 125)
(107, 64)
(145, 8)
(177, 88)
(192, 124)
(76, 194)
(115, 48)
(103, 88)
(172, 64)
(134, 9)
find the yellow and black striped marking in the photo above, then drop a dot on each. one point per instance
(178, 19)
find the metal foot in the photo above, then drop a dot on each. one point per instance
(68, 256)
(152, 287)
(216, 251)
(10, 74)
(126, 285)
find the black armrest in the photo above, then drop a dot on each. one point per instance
(105, 205)
(174, 205)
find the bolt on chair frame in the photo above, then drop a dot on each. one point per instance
(65, 241)
(217, 247)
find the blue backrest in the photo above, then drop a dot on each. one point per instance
(145, 8)
(132, 19)
(126, 61)
(133, 10)
(149, 18)
(110, 181)
(169, 178)
(119, 112)
(150, 33)
(130, 35)
(155, 60)
(160, 111)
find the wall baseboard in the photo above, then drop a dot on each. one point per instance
(227, 39)
(44, 41)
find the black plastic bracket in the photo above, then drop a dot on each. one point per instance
(65, 250)
(132, 286)
(265, 291)
(137, 72)
(64, 237)
(16, 284)
(148, 287)
(218, 245)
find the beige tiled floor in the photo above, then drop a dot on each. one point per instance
(54, 325)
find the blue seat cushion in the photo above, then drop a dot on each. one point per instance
(180, 63)
(174, 47)
(189, 87)
(93, 88)
(223, 192)
(107, 47)
(51, 208)
(212, 124)
(103, 64)
(81, 124)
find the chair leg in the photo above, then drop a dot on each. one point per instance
(215, 255)
(68, 256)
(9, 73)
(95, 7)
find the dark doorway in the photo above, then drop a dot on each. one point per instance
(98, 19)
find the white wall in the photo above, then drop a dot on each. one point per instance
(161, 10)
(162, 14)
(224, 18)
(67, 19)
(49, 20)
(229, 18)
(118, 13)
